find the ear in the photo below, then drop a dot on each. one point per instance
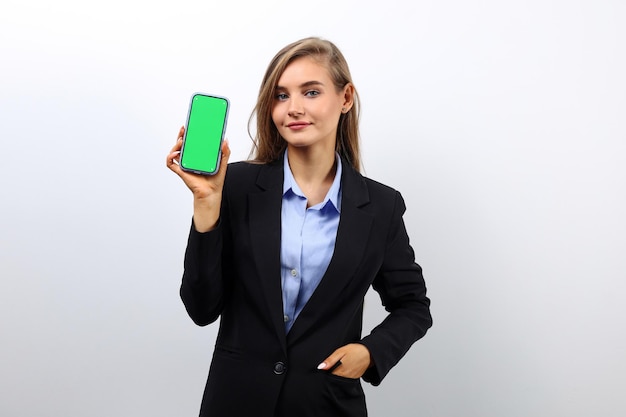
(348, 97)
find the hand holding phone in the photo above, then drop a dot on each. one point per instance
(206, 189)
(202, 142)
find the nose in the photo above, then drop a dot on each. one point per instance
(295, 107)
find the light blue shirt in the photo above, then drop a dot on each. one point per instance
(307, 241)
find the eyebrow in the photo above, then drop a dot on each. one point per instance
(303, 85)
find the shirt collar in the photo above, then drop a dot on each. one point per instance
(334, 193)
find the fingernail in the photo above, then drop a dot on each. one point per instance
(321, 366)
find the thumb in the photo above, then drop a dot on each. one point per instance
(226, 150)
(221, 172)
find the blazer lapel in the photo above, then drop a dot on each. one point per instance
(352, 237)
(264, 216)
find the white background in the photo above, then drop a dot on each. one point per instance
(501, 122)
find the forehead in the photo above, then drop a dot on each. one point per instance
(304, 69)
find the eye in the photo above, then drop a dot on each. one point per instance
(312, 93)
(281, 96)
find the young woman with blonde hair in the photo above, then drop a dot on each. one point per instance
(284, 247)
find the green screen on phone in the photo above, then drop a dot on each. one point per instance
(206, 123)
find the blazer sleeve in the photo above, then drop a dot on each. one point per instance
(204, 286)
(402, 290)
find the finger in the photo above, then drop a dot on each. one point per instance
(178, 146)
(335, 366)
(172, 161)
(179, 141)
(175, 151)
(331, 363)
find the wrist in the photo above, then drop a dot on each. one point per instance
(206, 213)
(207, 200)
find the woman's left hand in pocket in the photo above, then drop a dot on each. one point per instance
(349, 361)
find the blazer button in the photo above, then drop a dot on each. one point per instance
(279, 368)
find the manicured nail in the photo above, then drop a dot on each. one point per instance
(321, 366)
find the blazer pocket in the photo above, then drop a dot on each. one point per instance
(344, 396)
(227, 352)
(343, 387)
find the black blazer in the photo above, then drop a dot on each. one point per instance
(233, 272)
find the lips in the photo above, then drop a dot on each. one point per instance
(297, 125)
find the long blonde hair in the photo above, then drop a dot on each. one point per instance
(268, 144)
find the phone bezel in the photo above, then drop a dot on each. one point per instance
(219, 152)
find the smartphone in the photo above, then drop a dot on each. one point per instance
(206, 125)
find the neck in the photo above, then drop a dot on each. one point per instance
(313, 171)
(311, 164)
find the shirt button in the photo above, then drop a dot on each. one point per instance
(294, 272)
(286, 318)
(279, 368)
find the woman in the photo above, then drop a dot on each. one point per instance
(283, 249)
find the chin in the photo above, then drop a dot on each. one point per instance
(298, 143)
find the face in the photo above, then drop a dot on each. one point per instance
(307, 106)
